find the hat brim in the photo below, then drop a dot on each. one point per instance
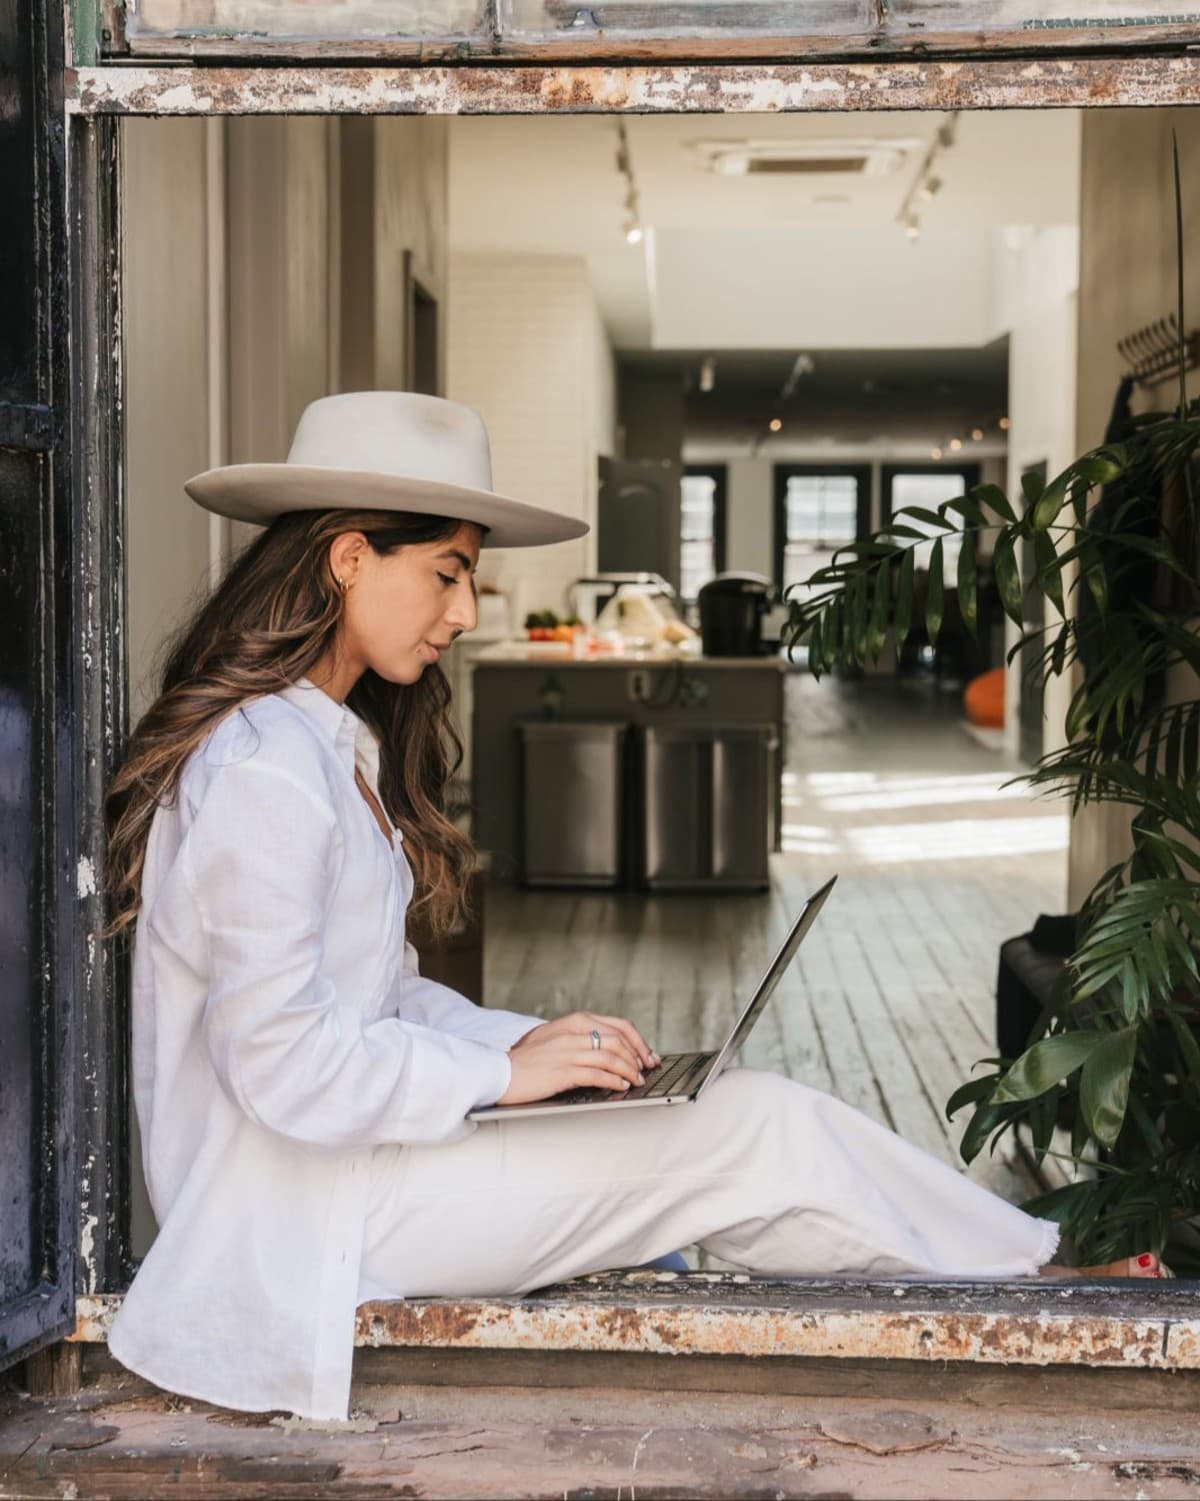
(257, 493)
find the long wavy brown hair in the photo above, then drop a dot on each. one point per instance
(272, 618)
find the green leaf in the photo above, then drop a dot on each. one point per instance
(1051, 502)
(817, 663)
(969, 508)
(856, 624)
(1008, 578)
(935, 602)
(1032, 489)
(1044, 1065)
(967, 581)
(1104, 1084)
(995, 499)
(930, 518)
(1097, 582)
(877, 629)
(985, 1120)
(1043, 1115)
(1103, 465)
(970, 1093)
(902, 622)
(1049, 570)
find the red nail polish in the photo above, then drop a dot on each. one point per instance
(1146, 1260)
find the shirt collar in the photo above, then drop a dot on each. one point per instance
(341, 725)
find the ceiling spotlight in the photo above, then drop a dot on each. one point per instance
(1004, 424)
(955, 444)
(775, 424)
(912, 225)
(929, 187)
(935, 453)
(708, 373)
(977, 434)
(633, 234)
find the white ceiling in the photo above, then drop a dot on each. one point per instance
(768, 261)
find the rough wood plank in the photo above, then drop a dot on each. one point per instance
(123, 1439)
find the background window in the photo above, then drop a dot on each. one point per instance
(701, 527)
(921, 486)
(817, 510)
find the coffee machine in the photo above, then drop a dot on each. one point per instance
(732, 606)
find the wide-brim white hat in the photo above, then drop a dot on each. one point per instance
(385, 451)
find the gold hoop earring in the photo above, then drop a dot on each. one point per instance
(341, 583)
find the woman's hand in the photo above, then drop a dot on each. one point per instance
(561, 1055)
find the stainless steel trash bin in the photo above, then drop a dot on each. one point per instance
(573, 802)
(708, 806)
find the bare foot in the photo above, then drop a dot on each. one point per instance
(1145, 1265)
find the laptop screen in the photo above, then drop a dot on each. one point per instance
(766, 986)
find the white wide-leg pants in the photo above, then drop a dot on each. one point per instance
(761, 1171)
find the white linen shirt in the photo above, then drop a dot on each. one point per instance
(281, 1031)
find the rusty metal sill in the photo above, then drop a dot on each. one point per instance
(1124, 1325)
(995, 83)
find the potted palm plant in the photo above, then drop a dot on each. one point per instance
(1115, 1054)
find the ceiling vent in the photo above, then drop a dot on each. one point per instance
(783, 158)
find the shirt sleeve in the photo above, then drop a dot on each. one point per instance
(260, 858)
(435, 1005)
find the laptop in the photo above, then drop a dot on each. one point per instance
(680, 1076)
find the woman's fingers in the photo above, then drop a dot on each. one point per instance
(617, 1060)
(625, 1029)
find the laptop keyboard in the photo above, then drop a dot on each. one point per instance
(671, 1076)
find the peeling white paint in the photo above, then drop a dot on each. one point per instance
(87, 1249)
(85, 878)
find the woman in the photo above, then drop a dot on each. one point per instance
(301, 1089)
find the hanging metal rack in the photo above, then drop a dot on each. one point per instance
(1152, 352)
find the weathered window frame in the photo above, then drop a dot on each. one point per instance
(1158, 1326)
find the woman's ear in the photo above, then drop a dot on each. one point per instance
(345, 555)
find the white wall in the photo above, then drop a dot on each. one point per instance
(822, 288)
(1036, 302)
(527, 349)
(168, 400)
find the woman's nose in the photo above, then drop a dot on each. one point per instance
(463, 613)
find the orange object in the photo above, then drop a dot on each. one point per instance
(983, 699)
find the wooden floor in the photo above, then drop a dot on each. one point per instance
(890, 1001)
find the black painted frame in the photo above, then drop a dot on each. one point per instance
(719, 474)
(969, 470)
(781, 473)
(39, 1012)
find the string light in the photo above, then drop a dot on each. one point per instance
(776, 424)
(977, 434)
(926, 183)
(1004, 424)
(633, 220)
(955, 444)
(935, 453)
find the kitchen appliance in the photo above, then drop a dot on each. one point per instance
(572, 802)
(731, 607)
(589, 595)
(708, 806)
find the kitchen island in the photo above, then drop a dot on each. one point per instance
(667, 699)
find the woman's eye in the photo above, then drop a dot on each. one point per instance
(447, 579)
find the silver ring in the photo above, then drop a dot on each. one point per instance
(595, 1036)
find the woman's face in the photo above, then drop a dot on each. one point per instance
(403, 611)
